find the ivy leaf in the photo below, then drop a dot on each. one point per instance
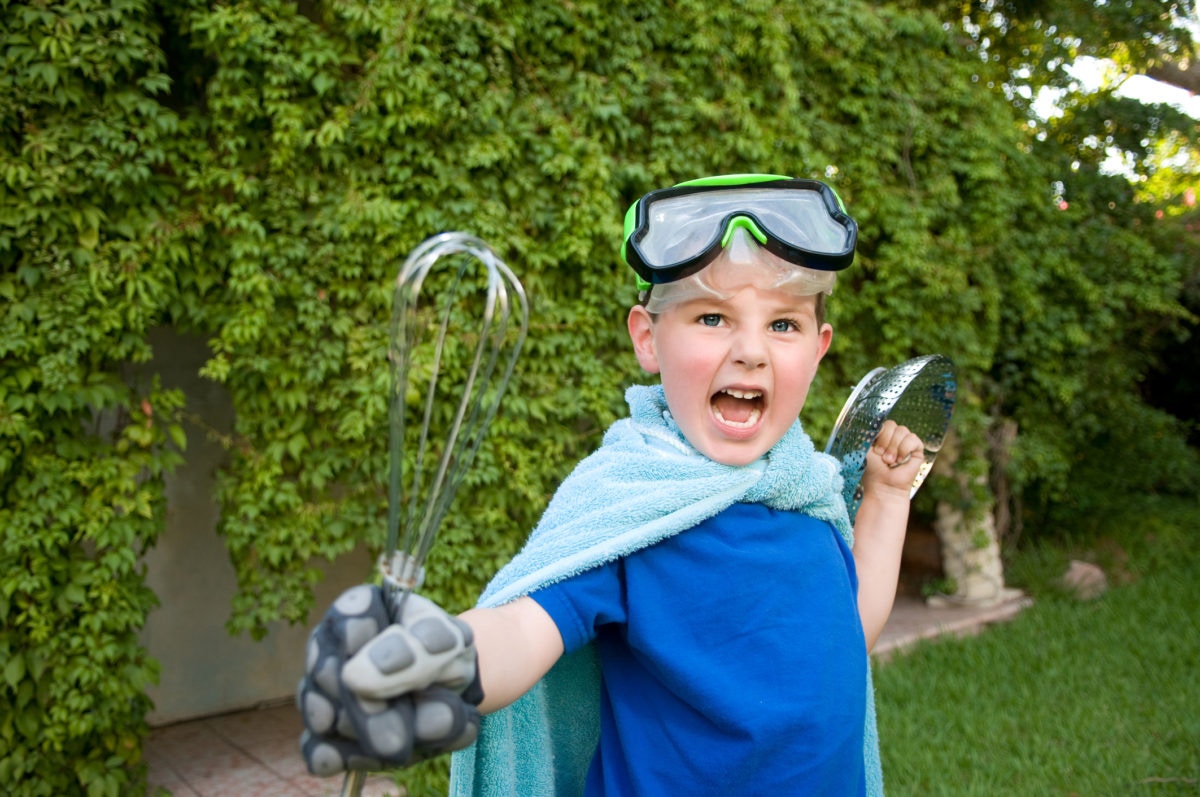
(14, 670)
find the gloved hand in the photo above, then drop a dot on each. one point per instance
(386, 687)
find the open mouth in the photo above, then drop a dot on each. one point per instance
(739, 409)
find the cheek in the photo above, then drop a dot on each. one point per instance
(687, 359)
(799, 377)
(686, 381)
(686, 378)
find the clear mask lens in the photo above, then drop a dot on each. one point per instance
(683, 226)
(742, 263)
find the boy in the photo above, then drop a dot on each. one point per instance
(689, 615)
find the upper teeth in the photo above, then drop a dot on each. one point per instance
(755, 412)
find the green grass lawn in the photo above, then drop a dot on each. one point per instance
(1071, 698)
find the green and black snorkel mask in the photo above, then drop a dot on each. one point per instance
(672, 233)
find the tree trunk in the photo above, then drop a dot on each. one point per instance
(967, 531)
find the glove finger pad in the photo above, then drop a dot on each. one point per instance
(435, 635)
(391, 653)
(325, 757)
(443, 721)
(387, 735)
(355, 601)
(319, 713)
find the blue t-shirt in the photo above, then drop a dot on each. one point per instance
(733, 660)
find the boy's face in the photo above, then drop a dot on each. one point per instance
(736, 368)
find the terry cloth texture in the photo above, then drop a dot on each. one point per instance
(643, 484)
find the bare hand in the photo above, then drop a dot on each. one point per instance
(894, 460)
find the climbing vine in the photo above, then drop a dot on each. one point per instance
(255, 172)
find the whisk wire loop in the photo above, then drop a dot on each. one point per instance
(486, 324)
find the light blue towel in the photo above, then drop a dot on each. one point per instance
(644, 483)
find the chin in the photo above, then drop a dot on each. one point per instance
(736, 458)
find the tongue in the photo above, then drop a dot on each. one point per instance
(734, 409)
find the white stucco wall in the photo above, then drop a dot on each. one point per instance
(204, 670)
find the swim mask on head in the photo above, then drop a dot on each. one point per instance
(672, 233)
(742, 263)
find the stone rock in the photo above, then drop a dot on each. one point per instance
(1084, 580)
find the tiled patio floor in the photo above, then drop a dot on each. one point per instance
(247, 754)
(256, 753)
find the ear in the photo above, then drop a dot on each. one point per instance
(641, 332)
(826, 338)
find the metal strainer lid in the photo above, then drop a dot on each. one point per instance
(918, 393)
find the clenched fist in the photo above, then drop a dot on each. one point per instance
(388, 682)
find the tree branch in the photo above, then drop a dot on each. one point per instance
(1184, 76)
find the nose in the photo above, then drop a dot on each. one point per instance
(749, 350)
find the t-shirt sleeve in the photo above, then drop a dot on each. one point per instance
(581, 604)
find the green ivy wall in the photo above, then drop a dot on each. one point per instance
(254, 172)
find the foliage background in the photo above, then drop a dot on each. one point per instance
(254, 172)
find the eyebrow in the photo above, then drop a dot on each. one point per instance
(705, 303)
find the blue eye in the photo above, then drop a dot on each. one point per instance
(783, 325)
(710, 320)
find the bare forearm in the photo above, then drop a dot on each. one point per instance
(517, 644)
(879, 531)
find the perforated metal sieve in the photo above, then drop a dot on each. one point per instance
(918, 393)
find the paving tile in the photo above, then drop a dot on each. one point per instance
(914, 620)
(281, 756)
(163, 776)
(376, 786)
(245, 780)
(178, 741)
(207, 758)
(270, 736)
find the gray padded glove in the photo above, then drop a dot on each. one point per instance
(382, 690)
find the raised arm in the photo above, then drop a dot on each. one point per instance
(881, 523)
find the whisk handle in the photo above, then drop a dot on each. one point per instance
(352, 786)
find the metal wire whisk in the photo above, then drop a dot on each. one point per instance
(458, 349)
(459, 320)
